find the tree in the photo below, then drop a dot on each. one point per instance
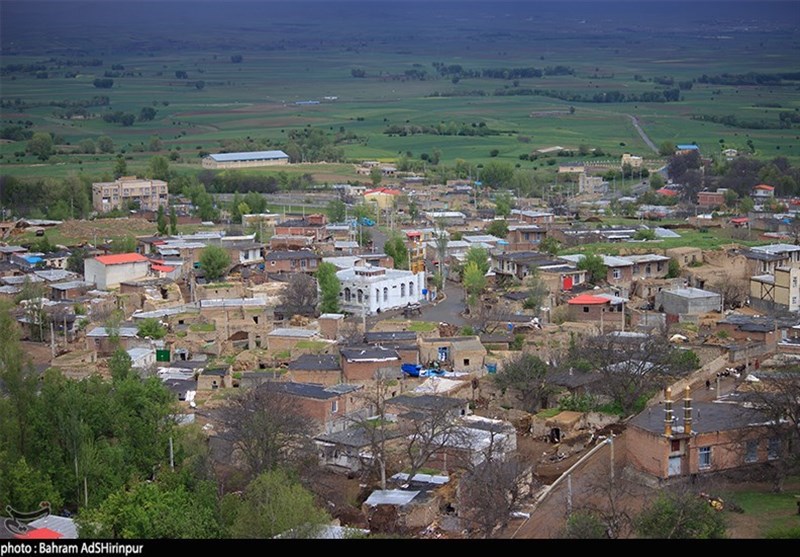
(214, 262)
(491, 492)
(173, 221)
(337, 210)
(105, 144)
(75, 260)
(266, 427)
(396, 248)
(24, 488)
(154, 144)
(126, 244)
(150, 510)
(666, 149)
(274, 504)
(645, 234)
(474, 281)
(680, 515)
(158, 168)
(503, 203)
(413, 210)
(594, 266)
(746, 205)
(120, 365)
(498, 227)
(656, 181)
(147, 113)
(479, 256)
(300, 295)
(329, 286)
(537, 292)
(673, 268)
(41, 145)
(734, 292)
(161, 221)
(526, 376)
(584, 525)
(87, 146)
(549, 245)
(151, 328)
(497, 174)
(376, 176)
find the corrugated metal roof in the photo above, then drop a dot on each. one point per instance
(249, 156)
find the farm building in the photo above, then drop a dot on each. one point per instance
(245, 160)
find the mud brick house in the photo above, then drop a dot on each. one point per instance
(366, 363)
(322, 369)
(297, 261)
(465, 353)
(313, 226)
(332, 408)
(404, 342)
(604, 310)
(681, 438)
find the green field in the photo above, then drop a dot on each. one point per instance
(291, 55)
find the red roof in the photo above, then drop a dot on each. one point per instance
(389, 191)
(162, 268)
(413, 233)
(665, 191)
(764, 187)
(40, 534)
(121, 258)
(588, 300)
(739, 220)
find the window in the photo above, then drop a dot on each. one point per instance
(675, 445)
(585, 309)
(360, 294)
(377, 295)
(403, 290)
(774, 448)
(410, 288)
(751, 451)
(705, 457)
(466, 361)
(347, 295)
(334, 406)
(617, 274)
(385, 294)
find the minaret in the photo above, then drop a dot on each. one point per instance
(687, 411)
(668, 412)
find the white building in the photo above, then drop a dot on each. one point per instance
(370, 289)
(108, 271)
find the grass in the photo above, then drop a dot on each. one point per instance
(312, 345)
(422, 326)
(776, 513)
(202, 327)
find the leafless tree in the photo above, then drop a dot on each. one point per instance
(734, 292)
(777, 395)
(607, 497)
(265, 426)
(630, 367)
(525, 374)
(300, 295)
(490, 491)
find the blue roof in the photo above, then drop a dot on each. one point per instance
(33, 259)
(249, 156)
(689, 146)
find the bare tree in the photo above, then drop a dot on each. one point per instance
(265, 426)
(631, 367)
(300, 295)
(777, 395)
(734, 292)
(607, 497)
(491, 491)
(526, 376)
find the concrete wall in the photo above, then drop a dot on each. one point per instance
(109, 276)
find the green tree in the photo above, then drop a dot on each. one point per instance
(154, 144)
(158, 168)
(594, 266)
(497, 174)
(731, 198)
(526, 376)
(329, 286)
(503, 204)
(413, 210)
(214, 262)
(24, 487)
(680, 515)
(173, 221)
(161, 221)
(396, 248)
(498, 227)
(584, 525)
(337, 210)
(674, 268)
(645, 234)
(120, 167)
(746, 205)
(656, 181)
(75, 260)
(150, 510)
(666, 149)
(41, 145)
(120, 365)
(479, 256)
(474, 280)
(275, 503)
(87, 146)
(376, 176)
(549, 245)
(151, 328)
(537, 292)
(126, 244)
(105, 144)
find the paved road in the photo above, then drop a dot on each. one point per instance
(645, 137)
